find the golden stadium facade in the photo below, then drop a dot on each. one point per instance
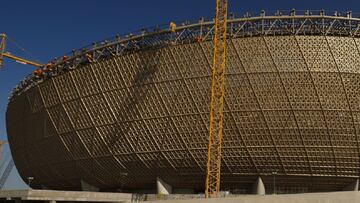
(139, 110)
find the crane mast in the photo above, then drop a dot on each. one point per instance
(212, 185)
(2, 48)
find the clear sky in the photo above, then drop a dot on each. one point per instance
(50, 28)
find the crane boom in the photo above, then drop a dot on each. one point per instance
(212, 185)
(10, 56)
(21, 60)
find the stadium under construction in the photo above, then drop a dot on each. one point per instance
(137, 111)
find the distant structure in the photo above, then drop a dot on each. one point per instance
(9, 165)
(126, 113)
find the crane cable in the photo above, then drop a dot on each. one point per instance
(22, 49)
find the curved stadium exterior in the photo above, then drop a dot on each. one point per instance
(140, 110)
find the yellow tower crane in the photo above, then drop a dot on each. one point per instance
(212, 185)
(4, 54)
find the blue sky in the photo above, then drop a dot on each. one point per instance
(50, 28)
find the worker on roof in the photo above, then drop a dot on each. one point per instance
(47, 69)
(38, 73)
(199, 39)
(65, 58)
(172, 26)
(89, 57)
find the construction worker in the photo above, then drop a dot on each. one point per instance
(38, 73)
(89, 57)
(48, 67)
(172, 26)
(199, 39)
(65, 58)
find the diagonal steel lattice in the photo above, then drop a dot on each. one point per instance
(291, 106)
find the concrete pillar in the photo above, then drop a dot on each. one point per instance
(87, 187)
(162, 187)
(258, 187)
(354, 186)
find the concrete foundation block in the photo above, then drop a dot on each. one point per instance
(258, 187)
(162, 187)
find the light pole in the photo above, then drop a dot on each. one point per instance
(274, 185)
(29, 181)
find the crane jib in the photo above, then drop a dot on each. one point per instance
(17, 59)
